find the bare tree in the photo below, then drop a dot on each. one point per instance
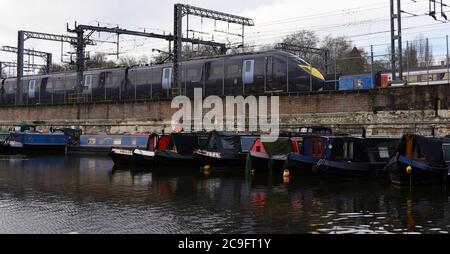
(425, 51)
(99, 61)
(305, 39)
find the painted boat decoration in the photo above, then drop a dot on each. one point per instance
(101, 144)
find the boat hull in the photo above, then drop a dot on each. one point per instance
(262, 163)
(421, 172)
(144, 158)
(237, 162)
(172, 159)
(352, 170)
(300, 164)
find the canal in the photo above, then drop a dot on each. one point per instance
(88, 195)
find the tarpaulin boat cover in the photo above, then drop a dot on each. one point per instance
(224, 142)
(430, 147)
(282, 146)
(183, 143)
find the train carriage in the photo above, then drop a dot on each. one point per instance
(252, 73)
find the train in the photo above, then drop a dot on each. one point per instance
(241, 74)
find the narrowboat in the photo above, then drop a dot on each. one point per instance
(267, 156)
(420, 160)
(101, 144)
(313, 149)
(147, 157)
(180, 149)
(225, 150)
(25, 139)
(356, 157)
(137, 156)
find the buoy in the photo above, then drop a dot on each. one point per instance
(286, 173)
(409, 169)
(207, 167)
(286, 180)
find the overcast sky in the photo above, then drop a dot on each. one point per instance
(365, 22)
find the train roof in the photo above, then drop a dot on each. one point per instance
(279, 52)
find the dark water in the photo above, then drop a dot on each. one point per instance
(85, 195)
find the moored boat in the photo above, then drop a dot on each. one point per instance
(138, 156)
(355, 157)
(313, 149)
(266, 156)
(180, 149)
(148, 157)
(25, 139)
(225, 150)
(101, 144)
(420, 160)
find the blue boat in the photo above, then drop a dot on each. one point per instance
(313, 150)
(421, 160)
(101, 144)
(343, 156)
(25, 139)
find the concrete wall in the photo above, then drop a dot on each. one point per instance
(382, 111)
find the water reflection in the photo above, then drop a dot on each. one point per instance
(89, 195)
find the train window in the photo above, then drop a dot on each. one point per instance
(194, 75)
(280, 67)
(59, 84)
(155, 76)
(216, 72)
(232, 70)
(44, 82)
(269, 67)
(248, 66)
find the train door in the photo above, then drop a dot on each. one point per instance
(248, 73)
(31, 89)
(167, 78)
(87, 89)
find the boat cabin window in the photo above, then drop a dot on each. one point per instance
(383, 152)
(101, 141)
(347, 152)
(446, 150)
